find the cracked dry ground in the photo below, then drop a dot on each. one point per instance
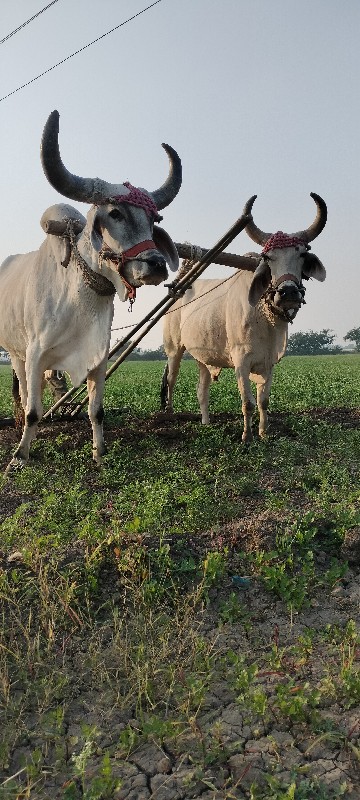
(226, 746)
(280, 724)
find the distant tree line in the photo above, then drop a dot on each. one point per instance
(316, 343)
(138, 354)
(309, 343)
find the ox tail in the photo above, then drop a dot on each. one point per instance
(164, 390)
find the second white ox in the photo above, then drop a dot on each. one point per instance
(243, 322)
(56, 304)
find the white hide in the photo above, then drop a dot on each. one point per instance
(226, 324)
(52, 311)
(213, 321)
(51, 319)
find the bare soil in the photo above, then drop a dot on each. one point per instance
(229, 747)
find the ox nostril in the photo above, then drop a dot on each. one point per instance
(156, 261)
(288, 291)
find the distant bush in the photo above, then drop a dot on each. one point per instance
(312, 343)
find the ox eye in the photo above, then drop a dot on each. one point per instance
(116, 214)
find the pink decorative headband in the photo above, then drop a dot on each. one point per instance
(138, 198)
(280, 239)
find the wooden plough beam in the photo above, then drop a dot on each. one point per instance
(75, 396)
(186, 250)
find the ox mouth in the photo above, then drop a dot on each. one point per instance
(145, 273)
(154, 280)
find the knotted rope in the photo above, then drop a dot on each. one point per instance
(280, 240)
(137, 198)
(98, 283)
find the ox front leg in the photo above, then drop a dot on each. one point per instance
(248, 402)
(95, 384)
(203, 392)
(263, 396)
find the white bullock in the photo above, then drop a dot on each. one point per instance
(242, 323)
(56, 304)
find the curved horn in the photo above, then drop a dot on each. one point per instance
(165, 195)
(86, 190)
(319, 223)
(252, 230)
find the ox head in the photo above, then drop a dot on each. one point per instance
(123, 240)
(285, 262)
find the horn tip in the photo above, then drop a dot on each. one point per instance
(52, 122)
(248, 206)
(170, 151)
(317, 197)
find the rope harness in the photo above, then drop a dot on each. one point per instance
(280, 240)
(266, 305)
(98, 283)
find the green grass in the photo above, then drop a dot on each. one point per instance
(117, 568)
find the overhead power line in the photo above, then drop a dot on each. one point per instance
(80, 50)
(27, 22)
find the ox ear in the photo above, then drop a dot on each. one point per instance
(259, 283)
(94, 228)
(313, 268)
(166, 247)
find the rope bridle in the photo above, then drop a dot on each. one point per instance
(99, 283)
(120, 260)
(282, 240)
(270, 293)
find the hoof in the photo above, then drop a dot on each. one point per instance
(15, 465)
(98, 458)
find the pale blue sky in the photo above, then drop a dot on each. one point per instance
(258, 97)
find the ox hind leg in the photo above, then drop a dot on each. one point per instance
(263, 395)
(30, 383)
(169, 379)
(202, 392)
(95, 385)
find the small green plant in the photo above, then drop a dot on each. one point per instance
(297, 702)
(298, 790)
(127, 741)
(231, 610)
(98, 784)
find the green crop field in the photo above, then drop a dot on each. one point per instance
(183, 622)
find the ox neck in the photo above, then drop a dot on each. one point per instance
(98, 283)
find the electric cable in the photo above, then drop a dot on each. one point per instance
(23, 86)
(20, 27)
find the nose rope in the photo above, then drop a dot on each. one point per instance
(288, 276)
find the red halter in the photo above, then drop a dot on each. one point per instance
(128, 255)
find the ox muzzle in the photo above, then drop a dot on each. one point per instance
(288, 294)
(139, 265)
